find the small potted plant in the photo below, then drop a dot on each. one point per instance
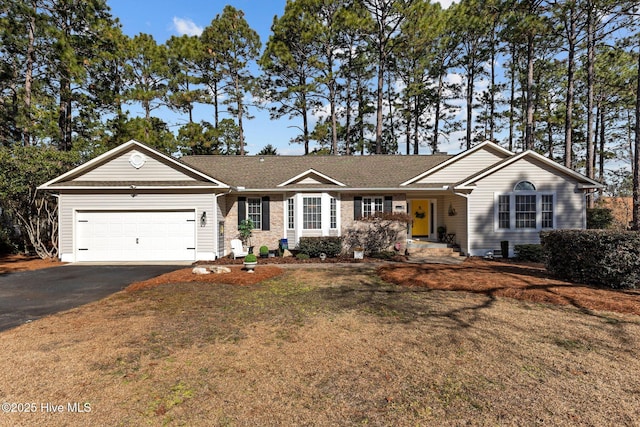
(250, 262)
(264, 251)
(358, 252)
(245, 231)
(442, 230)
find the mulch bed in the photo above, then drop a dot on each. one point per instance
(294, 260)
(528, 282)
(238, 276)
(14, 263)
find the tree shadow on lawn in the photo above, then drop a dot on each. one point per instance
(527, 283)
(399, 293)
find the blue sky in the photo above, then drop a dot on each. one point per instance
(164, 18)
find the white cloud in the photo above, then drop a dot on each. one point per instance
(186, 26)
(445, 3)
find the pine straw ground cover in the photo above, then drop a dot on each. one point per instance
(14, 263)
(325, 346)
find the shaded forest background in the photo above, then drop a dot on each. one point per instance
(358, 77)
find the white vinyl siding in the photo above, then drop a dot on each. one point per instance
(153, 170)
(485, 233)
(462, 168)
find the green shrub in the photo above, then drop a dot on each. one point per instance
(533, 253)
(599, 218)
(264, 250)
(7, 246)
(250, 258)
(302, 255)
(600, 257)
(314, 246)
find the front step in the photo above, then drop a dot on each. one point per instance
(430, 249)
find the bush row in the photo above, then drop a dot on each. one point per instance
(529, 252)
(606, 258)
(314, 246)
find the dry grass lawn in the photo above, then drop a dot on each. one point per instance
(325, 346)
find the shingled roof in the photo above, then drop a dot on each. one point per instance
(269, 172)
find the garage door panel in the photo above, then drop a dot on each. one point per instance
(135, 236)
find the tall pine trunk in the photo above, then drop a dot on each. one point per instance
(568, 118)
(590, 97)
(381, 59)
(469, 96)
(28, 79)
(436, 119)
(528, 134)
(636, 157)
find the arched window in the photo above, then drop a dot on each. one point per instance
(524, 186)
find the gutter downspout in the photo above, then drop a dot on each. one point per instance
(466, 196)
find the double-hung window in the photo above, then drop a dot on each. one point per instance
(504, 211)
(547, 210)
(333, 213)
(254, 212)
(371, 205)
(524, 208)
(526, 211)
(311, 213)
(291, 215)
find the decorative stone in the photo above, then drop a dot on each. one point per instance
(200, 270)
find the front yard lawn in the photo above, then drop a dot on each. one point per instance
(329, 346)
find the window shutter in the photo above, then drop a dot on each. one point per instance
(242, 209)
(387, 207)
(357, 207)
(265, 213)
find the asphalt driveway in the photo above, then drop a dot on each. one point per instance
(29, 295)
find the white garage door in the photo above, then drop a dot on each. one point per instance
(135, 236)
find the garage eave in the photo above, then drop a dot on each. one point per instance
(134, 187)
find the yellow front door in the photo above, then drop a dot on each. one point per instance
(420, 214)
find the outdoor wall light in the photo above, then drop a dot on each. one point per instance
(203, 219)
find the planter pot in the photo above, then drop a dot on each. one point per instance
(358, 254)
(272, 254)
(264, 255)
(323, 256)
(249, 266)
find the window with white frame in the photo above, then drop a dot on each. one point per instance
(371, 205)
(333, 214)
(526, 211)
(524, 208)
(311, 213)
(504, 211)
(547, 211)
(254, 212)
(291, 216)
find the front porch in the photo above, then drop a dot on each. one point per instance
(439, 223)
